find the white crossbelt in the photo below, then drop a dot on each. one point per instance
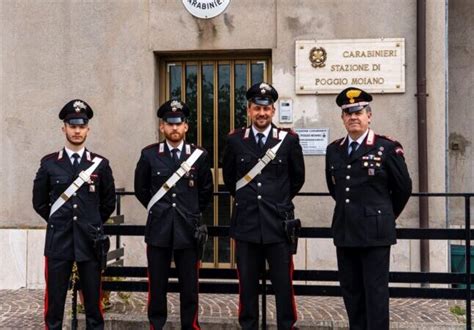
(83, 177)
(184, 168)
(262, 162)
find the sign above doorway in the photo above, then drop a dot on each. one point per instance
(205, 8)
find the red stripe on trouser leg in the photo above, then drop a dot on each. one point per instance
(238, 278)
(240, 302)
(195, 321)
(293, 302)
(101, 296)
(45, 311)
(149, 286)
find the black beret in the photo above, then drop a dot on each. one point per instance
(173, 111)
(76, 112)
(262, 94)
(353, 99)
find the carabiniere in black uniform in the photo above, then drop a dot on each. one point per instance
(71, 229)
(259, 210)
(371, 186)
(172, 221)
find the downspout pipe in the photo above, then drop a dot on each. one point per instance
(422, 129)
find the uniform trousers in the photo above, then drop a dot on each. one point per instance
(187, 266)
(57, 275)
(250, 263)
(363, 275)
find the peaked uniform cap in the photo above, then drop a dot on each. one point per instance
(173, 111)
(262, 94)
(353, 99)
(76, 112)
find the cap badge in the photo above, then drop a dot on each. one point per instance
(175, 105)
(351, 94)
(78, 105)
(264, 88)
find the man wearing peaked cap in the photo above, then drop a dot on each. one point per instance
(367, 176)
(174, 212)
(75, 194)
(263, 203)
(76, 112)
(262, 94)
(353, 99)
(173, 112)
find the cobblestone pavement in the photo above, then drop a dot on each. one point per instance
(23, 309)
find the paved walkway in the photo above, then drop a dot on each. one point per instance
(23, 309)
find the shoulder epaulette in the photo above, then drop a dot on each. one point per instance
(151, 146)
(290, 131)
(337, 141)
(398, 146)
(51, 155)
(196, 146)
(93, 154)
(386, 137)
(235, 131)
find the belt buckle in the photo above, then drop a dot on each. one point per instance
(185, 166)
(270, 154)
(84, 177)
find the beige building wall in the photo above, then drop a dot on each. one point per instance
(461, 114)
(54, 51)
(106, 53)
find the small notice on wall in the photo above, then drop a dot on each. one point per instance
(313, 140)
(329, 66)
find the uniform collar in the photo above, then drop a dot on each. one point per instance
(265, 132)
(179, 147)
(70, 152)
(359, 140)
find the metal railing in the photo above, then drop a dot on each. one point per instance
(225, 280)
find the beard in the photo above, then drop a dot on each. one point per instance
(174, 137)
(261, 123)
(76, 142)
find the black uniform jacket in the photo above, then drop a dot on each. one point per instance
(172, 220)
(262, 205)
(371, 189)
(72, 227)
